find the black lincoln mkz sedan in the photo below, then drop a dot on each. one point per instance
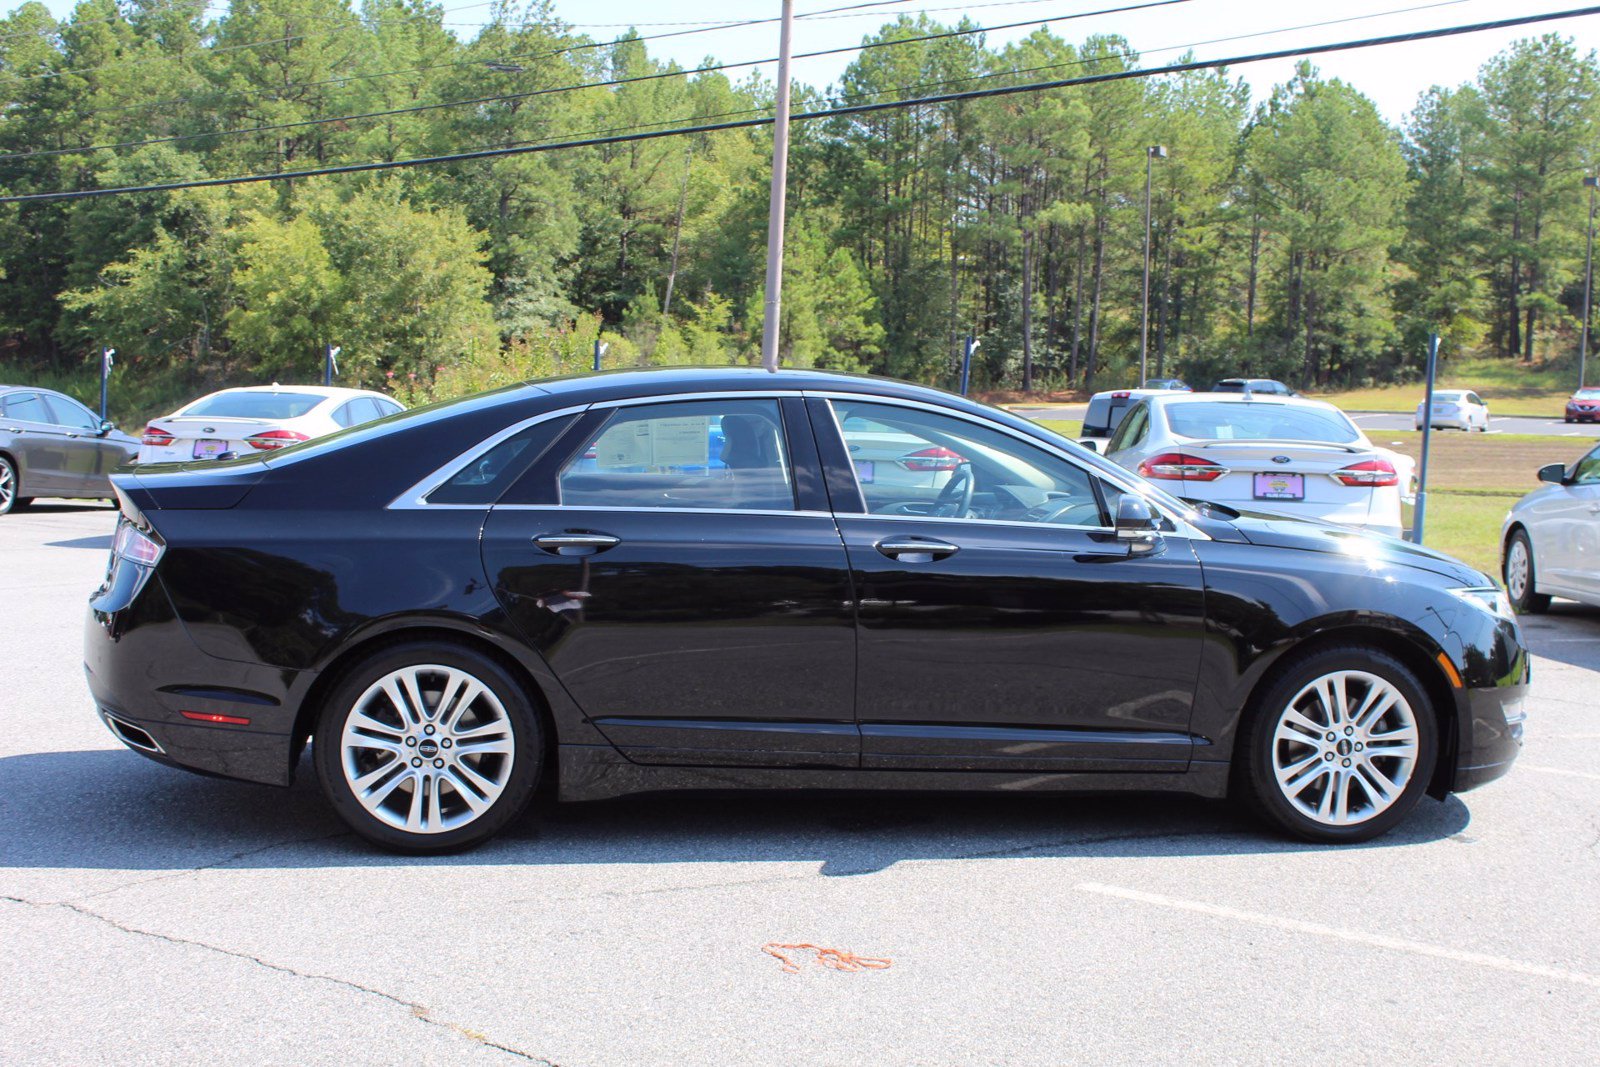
(728, 578)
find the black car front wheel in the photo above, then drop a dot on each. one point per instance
(1340, 747)
(428, 748)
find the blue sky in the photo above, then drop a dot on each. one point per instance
(1392, 76)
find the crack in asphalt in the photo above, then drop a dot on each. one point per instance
(420, 1012)
(215, 865)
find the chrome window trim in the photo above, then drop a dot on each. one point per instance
(651, 511)
(415, 497)
(1127, 483)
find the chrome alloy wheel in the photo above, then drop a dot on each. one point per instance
(427, 748)
(8, 487)
(1517, 569)
(1344, 748)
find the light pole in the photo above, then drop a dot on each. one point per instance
(600, 348)
(780, 190)
(1151, 154)
(330, 363)
(107, 361)
(1588, 284)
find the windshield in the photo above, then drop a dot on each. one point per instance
(1260, 422)
(1105, 414)
(253, 405)
(1587, 394)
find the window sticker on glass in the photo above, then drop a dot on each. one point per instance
(655, 443)
(866, 471)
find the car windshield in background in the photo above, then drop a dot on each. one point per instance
(1587, 394)
(256, 405)
(1259, 422)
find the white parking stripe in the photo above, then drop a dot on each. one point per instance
(1396, 944)
(1560, 771)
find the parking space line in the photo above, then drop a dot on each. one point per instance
(1558, 770)
(1396, 944)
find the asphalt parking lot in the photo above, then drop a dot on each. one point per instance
(150, 916)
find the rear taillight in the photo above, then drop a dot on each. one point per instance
(267, 440)
(154, 435)
(1177, 466)
(136, 546)
(1370, 472)
(931, 459)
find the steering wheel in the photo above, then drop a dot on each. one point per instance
(957, 493)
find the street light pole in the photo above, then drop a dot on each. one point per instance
(780, 189)
(1588, 284)
(1151, 154)
(107, 360)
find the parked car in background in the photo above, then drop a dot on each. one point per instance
(1261, 386)
(1286, 455)
(1042, 621)
(1459, 409)
(255, 419)
(1105, 413)
(53, 446)
(1171, 384)
(1550, 542)
(1584, 406)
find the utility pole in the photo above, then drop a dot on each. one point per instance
(330, 362)
(780, 190)
(1151, 154)
(1420, 511)
(600, 348)
(1588, 285)
(107, 360)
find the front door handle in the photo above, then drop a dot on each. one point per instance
(576, 544)
(915, 549)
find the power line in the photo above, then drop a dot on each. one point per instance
(500, 98)
(853, 109)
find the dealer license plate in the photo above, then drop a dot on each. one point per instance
(1277, 486)
(209, 448)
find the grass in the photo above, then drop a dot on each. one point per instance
(1509, 386)
(1473, 479)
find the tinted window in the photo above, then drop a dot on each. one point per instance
(723, 455)
(1587, 470)
(255, 405)
(27, 407)
(1132, 430)
(1105, 414)
(1228, 387)
(922, 463)
(1259, 422)
(486, 478)
(72, 415)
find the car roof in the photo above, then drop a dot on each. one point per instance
(329, 391)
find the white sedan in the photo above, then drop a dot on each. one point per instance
(1550, 543)
(249, 421)
(1251, 452)
(1459, 409)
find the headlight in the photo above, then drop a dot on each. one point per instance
(1490, 598)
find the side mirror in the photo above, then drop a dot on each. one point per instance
(106, 426)
(1553, 472)
(1137, 526)
(1090, 443)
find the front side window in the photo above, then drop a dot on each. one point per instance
(717, 455)
(1587, 470)
(910, 461)
(72, 415)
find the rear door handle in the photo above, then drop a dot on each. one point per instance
(576, 544)
(915, 549)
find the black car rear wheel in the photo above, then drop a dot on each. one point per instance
(427, 747)
(1340, 747)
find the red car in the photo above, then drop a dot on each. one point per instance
(1584, 405)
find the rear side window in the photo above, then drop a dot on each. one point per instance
(485, 479)
(255, 405)
(25, 407)
(1259, 422)
(719, 455)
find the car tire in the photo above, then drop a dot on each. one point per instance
(1518, 572)
(392, 747)
(11, 487)
(1372, 772)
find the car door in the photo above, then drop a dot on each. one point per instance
(89, 457)
(40, 444)
(675, 563)
(1002, 625)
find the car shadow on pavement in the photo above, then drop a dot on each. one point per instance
(1568, 633)
(102, 542)
(111, 810)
